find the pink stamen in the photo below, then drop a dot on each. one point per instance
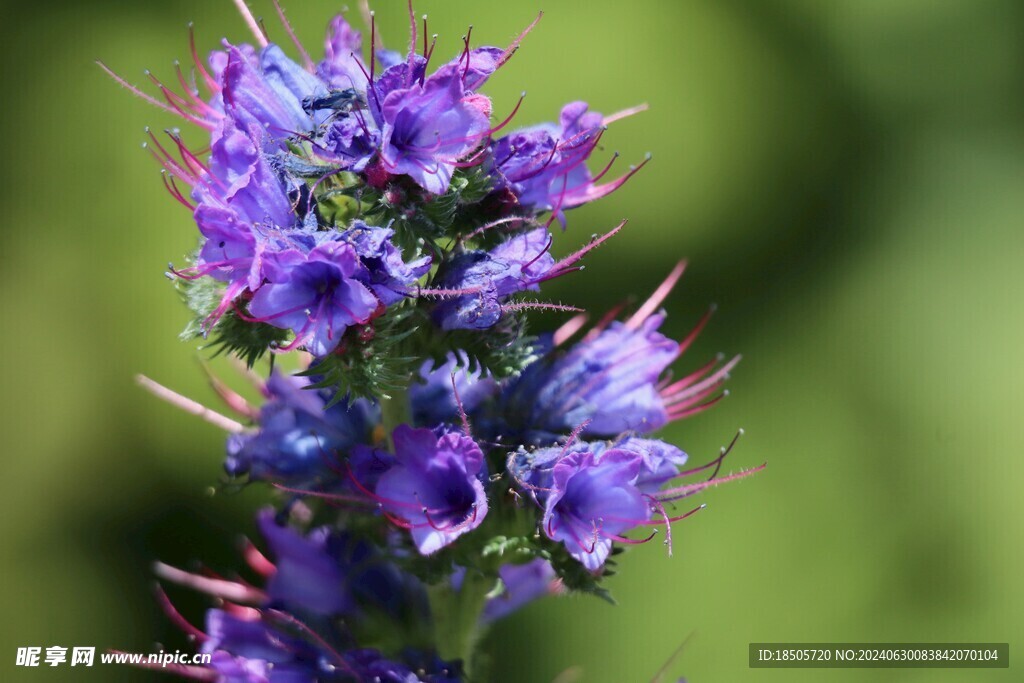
(526, 485)
(373, 46)
(685, 344)
(189, 406)
(211, 84)
(138, 93)
(257, 560)
(674, 415)
(560, 267)
(250, 21)
(452, 528)
(174, 191)
(619, 115)
(379, 499)
(232, 399)
(604, 322)
(190, 90)
(397, 521)
(499, 222)
(191, 160)
(660, 509)
(412, 34)
(568, 329)
(687, 490)
(539, 306)
(712, 381)
(595, 192)
(233, 290)
(175, 616)
(429, 53)
(218, 588)
(448, 293)
(677, 518)
(367, 15)
(546, 249)
(306, 61)
(667, 387)
(324, 495)
(629, 541)
(659, 295)
(573, 436)
(511, 49)
(180, 104)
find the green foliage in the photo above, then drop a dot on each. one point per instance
(421, 219)
(247, 340)
(501, 351)
(574, 575)
(370, 361)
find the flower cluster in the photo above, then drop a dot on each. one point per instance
(437, 467)
(329, 185)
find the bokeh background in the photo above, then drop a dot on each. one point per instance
(847, 180)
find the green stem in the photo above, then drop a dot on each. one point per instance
(456, 616)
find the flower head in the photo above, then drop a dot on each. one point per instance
(434, 487)
(298, 437)
(545, 165)
(316, 295)
(612, 380)
(593, 501)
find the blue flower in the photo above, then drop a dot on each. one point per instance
(433, 398)
(434, 487)
(428, 125)
(523, 583)
(316, 295)
(480, 281)
(614, 380)
(545, 165)
(297, 440)
(593, 501)
(387, 275)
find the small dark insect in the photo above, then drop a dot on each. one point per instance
(335, 100)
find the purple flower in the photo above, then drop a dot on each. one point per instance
(242, 209)
(243, 180)
(434, 488)
(523, 584)
(253, 650)
(593, 501)
(545, 165)
(310, 574)
(482, 280)
(433, 398)
(611, 382)
(251, 98)
(248, 650)
(341, 66)
(316, 295)
(297, 437)
(659, 461)
(387, 275)
(430, 124)
(351, 141)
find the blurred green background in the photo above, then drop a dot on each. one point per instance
(847, 180)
